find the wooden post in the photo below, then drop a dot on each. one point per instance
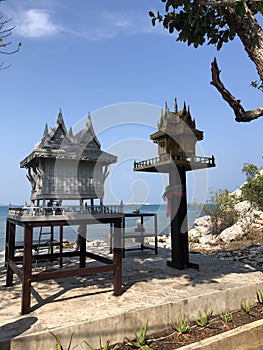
(142, 234)
(155, 235)
(61, 245)
(27, 270)
(117, 258)
(179, 226)
(82, 242)
(10, 251)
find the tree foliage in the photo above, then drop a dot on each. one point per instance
(198, 22)
(250, 170)
(216, 22)
(252, 190)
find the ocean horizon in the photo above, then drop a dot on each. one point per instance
(102, 231)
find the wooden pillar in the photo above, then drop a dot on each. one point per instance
(60, 245)
(82, 249)
(27, 270)
(52, 240)
(10, 251)
(142, 234)
(117, 258)
(179, 226)
(155, 235)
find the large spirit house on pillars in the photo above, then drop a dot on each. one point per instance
(62, 168)
(176, 138)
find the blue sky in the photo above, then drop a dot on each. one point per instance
(104, 57)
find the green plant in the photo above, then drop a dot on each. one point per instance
(253, 191)
(226, 317)
(246, 306)
(106, 346)
(203, 320)
(250, 170)
(260, 296)
(140, 341)
(221, 209)
(58, 344)
(181, 326)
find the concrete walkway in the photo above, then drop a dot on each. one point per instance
(153, 291)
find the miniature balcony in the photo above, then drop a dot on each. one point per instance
(163, 162)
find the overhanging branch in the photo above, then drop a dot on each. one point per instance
(240, 113)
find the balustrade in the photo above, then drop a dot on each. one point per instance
(43, 211)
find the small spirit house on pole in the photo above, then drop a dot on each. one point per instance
(176, 138)
(64, 166)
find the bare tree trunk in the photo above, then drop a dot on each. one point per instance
(251, 35)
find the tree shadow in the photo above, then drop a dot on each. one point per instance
(146, 267)
(11, 330)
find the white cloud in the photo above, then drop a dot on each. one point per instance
(36, 23)
(112, 24)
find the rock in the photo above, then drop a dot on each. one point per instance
(95, 243)
(231, 233)
(203, 221)
(194, 235)
(243, 207)
(202, 226)
(258, 260)
(209, 240)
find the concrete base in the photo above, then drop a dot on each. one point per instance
(153, 291)
(248, 337)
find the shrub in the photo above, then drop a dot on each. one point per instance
(221, 209)
(253, 191)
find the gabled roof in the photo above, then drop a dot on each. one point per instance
(87, 136)
(176, 123)
(56, 136)
(62, 144)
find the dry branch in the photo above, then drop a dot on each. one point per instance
(240, 113)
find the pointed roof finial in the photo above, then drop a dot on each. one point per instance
(184, 107)
(88, 124)
(166, 106)
(45, 130)
(70, 132)
(60, 116)
(175, 105)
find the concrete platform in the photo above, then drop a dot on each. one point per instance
(153, 291)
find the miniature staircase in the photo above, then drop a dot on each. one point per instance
(45, 242)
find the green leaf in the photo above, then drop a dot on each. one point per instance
(240, 8)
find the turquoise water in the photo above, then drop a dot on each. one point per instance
(101, 232)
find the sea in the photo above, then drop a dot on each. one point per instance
(102, 231)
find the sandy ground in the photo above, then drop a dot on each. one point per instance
(147, 281)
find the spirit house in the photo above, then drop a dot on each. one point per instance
(62, 167)
(176, 138)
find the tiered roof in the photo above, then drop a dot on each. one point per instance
(62, 144)
(177, 123)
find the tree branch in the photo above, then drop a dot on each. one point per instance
(240, 113)
(217, 3)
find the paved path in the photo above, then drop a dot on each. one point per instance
(148, 284)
